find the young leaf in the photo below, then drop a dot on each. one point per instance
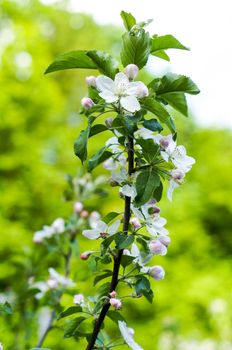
(149, 148)
(80, 145)
(106, 274)
(105, 63)
(98, 158)
(165, 42)
(142, 284)
(135, 48)
(110, 216)
(115, 316)
(149, 295)
(161, 54)
(147, 181)
(106, 243)
(156, 108)
(153, 125)
(6, 308)
(157, 194)
(177, 100)
(72, 326)
(70, 311)
(126, 260)
(170, 83)
(72, 59)
(123, 241)
(128, 20)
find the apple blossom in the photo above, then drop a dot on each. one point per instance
(116, 303)
(91, 81)
(122, 90)
(78, 207)
(157, 272)
(113, 294)
(102, 230)
(177, 176)
(87, 102)
(135, 223)
(157, 248)
(128, 334)
(166, 240)
(86, 255)
(131, 70)
(78, 299)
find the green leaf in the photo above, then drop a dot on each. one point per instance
(98, 158)
(70, 311)
(177, 100)
(161, 54)
(115, 316)
(106, 243)
(142, 284)
(156, 108)
(149, 295)
(96, 129)
(81, 143)
(153, 125)
(72, 59)
(72, 326)
(165, 42)
(170, 83)
(105, 63)
(157, 194)
(146, 183)
(110, 216)
(123, 241)
(130, 124)
(6, 308)
(149, 148)
(126, 260)
(128, 20)
(135, 48)
(106, 274)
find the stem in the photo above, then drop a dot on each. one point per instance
(114, 281)
(47, 330)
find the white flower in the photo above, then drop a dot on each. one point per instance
(177, 176)
(127, 334)
(78, 207)
(116, 303)
(166, 143)
(91, 81)
(129, 191)
(120, 177)
(157, 248)
(102, 230)
(78, 299)
(63, 281)
(58, 225)
(94, 218)
(122, 90)
(181, 160)
(144, 133)
(157, 272)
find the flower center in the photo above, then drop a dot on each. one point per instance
(120, 89)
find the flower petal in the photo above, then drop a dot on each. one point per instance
(101, 226)
(130, 103)
(108, 96)
(127, 336)
(114, 227)
(121, 79)
(136, 88)
(105, 84)
(91, 234)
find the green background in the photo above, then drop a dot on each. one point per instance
(39, 122)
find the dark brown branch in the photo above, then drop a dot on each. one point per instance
(114, 281)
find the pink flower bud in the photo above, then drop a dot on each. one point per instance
(126, 252)
(85, 255)
(157, 248)
(109, 122)
(84, 214)
(131, 70)
(157, 272)
(166, 240)
(78, 206)
(135, 223)
(113, 294)
(91, 81)
(116, 303)
(142, 91)
(78, 299)
(86, 102)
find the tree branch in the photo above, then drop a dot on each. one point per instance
(114, 281)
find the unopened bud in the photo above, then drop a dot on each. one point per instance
(91, 81)
(131, 70)
(78, 299)
(84, 214)
(85, 255)
(109, 122)
(78, 206)
(87, 102)
(113, 294)
(135, 223)
(157, 272)
(116, 303)
(166, 240)
(157, 248)
(142, 91)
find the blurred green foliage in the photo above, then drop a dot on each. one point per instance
(39, 122)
